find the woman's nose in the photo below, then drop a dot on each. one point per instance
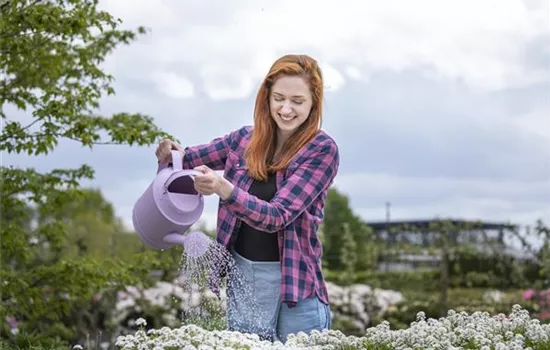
(285, 108)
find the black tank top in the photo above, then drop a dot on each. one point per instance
(253, 244)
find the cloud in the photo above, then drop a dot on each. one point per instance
(414, 198)
(480, 44)
(535, 122)
(378, 187)
(223, 84)
(353, 72)
(333, 79)
(173, 85)
(409, 126)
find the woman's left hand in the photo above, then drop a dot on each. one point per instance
(209, 182)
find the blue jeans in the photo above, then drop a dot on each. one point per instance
(254, 306)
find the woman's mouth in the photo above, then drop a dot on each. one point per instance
(286, 118)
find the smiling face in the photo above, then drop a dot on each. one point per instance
(290, 104)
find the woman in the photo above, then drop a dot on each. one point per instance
(272, 196)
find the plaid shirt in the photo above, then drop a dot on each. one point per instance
(294, 213)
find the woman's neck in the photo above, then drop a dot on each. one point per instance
(281, 139)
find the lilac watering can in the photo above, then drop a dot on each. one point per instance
(168, 208)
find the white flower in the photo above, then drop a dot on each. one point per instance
(141, 322)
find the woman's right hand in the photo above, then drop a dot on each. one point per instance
(165, 148)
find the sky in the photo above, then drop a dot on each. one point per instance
(439, 107)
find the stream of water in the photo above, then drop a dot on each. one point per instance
(204, 308)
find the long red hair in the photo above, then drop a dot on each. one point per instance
(261, 149)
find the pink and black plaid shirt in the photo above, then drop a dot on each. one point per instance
(294, 213)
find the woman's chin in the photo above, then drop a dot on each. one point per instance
(286, 129)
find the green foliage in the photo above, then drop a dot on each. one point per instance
(425, 280)
(338, 214)
(348, 255)
(542, 232)
(469, 268)
(50, 63)
(26, 342)
(50, 59)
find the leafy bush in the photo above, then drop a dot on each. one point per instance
(469, 268)
(395, 280)
(460, 277)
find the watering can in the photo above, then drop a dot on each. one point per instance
(168, 208)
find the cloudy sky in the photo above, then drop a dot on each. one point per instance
(439, 107)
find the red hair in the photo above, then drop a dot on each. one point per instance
(261, 149)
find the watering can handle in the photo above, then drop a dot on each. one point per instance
(177, 162)
(177, 165)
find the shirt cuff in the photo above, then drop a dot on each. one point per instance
(232, 199)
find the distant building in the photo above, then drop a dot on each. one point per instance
(487, 237)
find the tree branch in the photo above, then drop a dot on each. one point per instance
(5, 137)
(30, 124)
(95, 143)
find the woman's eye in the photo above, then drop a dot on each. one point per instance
(281, 99)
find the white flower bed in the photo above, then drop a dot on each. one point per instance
(168, 299)
(456, 331)
(356, 303)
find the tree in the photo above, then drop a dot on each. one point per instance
(92, 227)
(337, 213)
(50, 56)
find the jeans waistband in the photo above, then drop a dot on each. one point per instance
(239, 259)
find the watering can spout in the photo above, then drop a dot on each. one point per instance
(195, 243)
(174, 238)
